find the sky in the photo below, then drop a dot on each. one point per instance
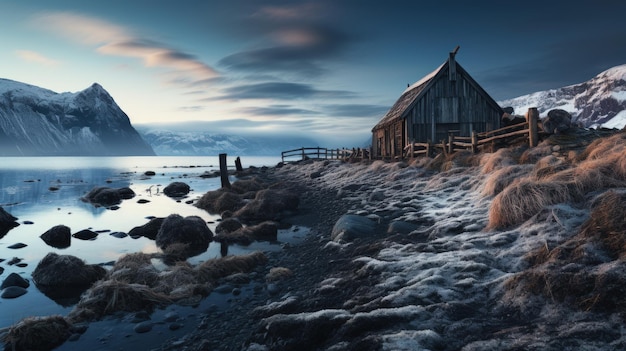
(325, 69)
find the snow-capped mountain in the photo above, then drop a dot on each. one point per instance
(167, 142)
(600, 101)
(39, 122)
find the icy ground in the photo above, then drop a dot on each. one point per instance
(442, 284)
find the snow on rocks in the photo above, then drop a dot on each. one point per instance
(454, 281)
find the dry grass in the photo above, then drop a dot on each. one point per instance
(498, 180)
(214, 269)
(278, 273)
(218, 201)
(37, 333)
(534, 154)
(109, 296)
(523, 199)
(607, 223)
(492, 161)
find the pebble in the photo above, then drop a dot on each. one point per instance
(224, 289)
(14, 279)
(14, 260)
(175, 326)
(16, 246)
(118, 235)
(143, 327)
(171, 317)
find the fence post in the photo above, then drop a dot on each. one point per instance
(474, 142)
(303, 154)
(224, 171)
(531, 118)
(238, 164)
(428, 148)
(451, 143)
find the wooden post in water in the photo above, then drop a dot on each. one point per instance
(238, 164)
(531, 118)
(224, 171)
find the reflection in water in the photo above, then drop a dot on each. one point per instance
(47, 192)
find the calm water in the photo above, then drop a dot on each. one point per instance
(25, 193)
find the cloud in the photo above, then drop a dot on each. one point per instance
(32, 56)
(111, 39)
(558, 65)
(278, 110)
(290, 39)
(356, 110)
(281, 91)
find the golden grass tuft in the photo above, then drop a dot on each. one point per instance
(492, 161)
(217, 268)
(37, 333)
(607, 223)
(534, 154)
(523, 199)
(110, 296)
(278, 273)
(499, 179)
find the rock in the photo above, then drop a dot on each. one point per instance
(143, 201)
(119, 235)
(64, 270)
(149, 173)
(12, 292)
(148, 230)
(176, 189)
(508, 110)
(228, 225)
(107, 197)
(245, 235)
(349, 227)
(191, 231)
(85, 234)
(16, 246)
(58, 236)
(557, 121)
(218, 201)
(401, 227)
(7, 222)
(14, 279)
(269, 204)
(143, 327)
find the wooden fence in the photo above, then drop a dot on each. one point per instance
(477, 141)
(528, 130)
(322, 153)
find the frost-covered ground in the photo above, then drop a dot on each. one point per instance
(439, 279)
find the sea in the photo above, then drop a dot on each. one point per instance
(43, 192)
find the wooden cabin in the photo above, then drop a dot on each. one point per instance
(446, 100)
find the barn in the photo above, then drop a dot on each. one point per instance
(446, 100)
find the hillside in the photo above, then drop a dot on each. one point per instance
(39, 122)
(600, 101)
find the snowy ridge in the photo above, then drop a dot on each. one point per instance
(35, 121)
(197, 143)
(598, 102)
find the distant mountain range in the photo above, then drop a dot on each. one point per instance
(598, 102)
(39, 122)
(176, 142)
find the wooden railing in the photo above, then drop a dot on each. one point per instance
(322, 153)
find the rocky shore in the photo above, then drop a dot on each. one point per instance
(442, 267)
(516, 249)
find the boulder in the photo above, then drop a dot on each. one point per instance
(107, 197)
(245, 235)
(176, 189)
(268, 204)
(148, 230)
(63, 277)
(14, 279)
(228, 225)
(85, 234)
(58, 236)
(191, 231)
(7, 222)
(218, 201)
(350, 227)
(557, 121)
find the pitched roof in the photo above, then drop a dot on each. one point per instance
(408, 96)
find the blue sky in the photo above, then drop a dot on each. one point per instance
(329, 69)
